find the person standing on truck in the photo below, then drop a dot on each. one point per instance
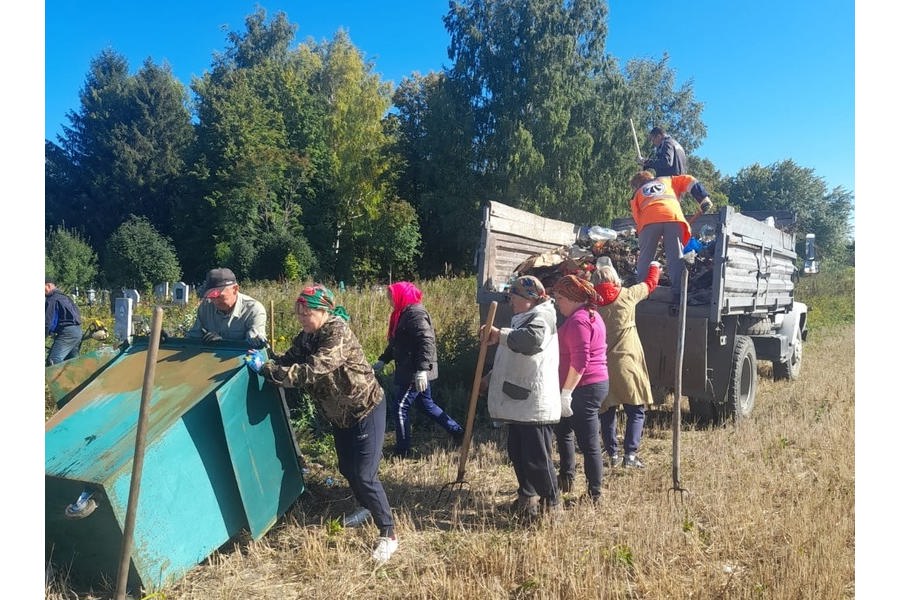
(668, 156)
(585, 382)
(62, 320)
(657, 213)
(326, 360)
(227, 314)
(524, 394)
(629, 383)
(411, 344)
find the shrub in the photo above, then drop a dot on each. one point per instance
(138, 256)
(69, 260)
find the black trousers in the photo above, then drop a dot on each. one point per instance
(583, 425)
(530, 448)
(359, 453)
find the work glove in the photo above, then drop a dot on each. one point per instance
(655, 263)
(378, 366)
(254, 360)
(257, 343)
(706, 204)
(565, 398)
(211, 336)
(420, 380)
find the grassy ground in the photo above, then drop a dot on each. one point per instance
(768, 510)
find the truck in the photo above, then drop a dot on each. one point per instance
(747, 313)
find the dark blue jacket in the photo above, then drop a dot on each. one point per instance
(668, 159)
(60, 312)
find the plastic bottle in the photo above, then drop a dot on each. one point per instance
(595, 233)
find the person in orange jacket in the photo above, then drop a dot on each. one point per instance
(657, 213)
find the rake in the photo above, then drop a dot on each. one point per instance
(460, 481)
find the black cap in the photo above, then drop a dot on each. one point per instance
(217, 279)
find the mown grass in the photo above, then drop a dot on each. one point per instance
(768, 511)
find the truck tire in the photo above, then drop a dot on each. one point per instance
(790, 369)
(741, 393)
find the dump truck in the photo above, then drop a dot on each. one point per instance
(746, 314)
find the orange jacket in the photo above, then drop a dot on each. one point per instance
(657, 202)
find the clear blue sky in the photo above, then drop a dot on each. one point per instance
(776, 77)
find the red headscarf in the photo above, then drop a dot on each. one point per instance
(403, 293)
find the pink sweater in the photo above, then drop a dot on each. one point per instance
(582, 345)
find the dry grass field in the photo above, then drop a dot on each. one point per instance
(768, 512)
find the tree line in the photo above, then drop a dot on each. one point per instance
(294, 160)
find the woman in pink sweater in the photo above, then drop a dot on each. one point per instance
(584, 379)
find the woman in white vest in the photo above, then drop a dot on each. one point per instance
(524, 394)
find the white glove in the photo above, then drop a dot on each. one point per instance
(565, 398)
(706, 204)
(420, 380)
(378, 366)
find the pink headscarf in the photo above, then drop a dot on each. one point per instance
(403, 293)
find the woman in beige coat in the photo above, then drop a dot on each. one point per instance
(629, 384)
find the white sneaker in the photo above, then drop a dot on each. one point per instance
(385, 548)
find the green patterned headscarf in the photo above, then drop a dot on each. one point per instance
(320, 297)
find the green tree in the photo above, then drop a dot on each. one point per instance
(69, 260)
(359, 149)
(124, 151)
(434, 142)
(138, 256)
(260, 147)
(656, 101)
(785, 185)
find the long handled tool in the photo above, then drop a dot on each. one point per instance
(473, 400)
(636, 145)
(140, 444)
(687, 260)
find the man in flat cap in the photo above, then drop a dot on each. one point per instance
(227, 314)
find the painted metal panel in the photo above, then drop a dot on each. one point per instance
(219, 459)
(265, 464)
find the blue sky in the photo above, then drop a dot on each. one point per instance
(776, 77)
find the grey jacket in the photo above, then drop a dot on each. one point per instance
(524, 384)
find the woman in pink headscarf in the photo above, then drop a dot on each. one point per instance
(411, 345)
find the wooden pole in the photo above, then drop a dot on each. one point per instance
(140, 444)
(473, 398)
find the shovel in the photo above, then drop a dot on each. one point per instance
(460, 481)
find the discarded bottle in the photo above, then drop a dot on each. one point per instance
(595, 233)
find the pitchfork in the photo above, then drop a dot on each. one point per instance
(473, 400)
(676, 489)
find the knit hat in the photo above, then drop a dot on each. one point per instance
(528, 287)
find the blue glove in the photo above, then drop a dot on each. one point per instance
(254, 360)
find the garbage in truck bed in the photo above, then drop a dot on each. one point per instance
(595, 244)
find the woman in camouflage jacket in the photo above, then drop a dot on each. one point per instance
(327, 361)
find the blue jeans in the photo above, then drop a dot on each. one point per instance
(583, 425)
(66, 345)
(634, 427)
(404, 398)
(359, 453)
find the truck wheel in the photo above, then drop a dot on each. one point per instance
(790, 369)
(742, 386)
